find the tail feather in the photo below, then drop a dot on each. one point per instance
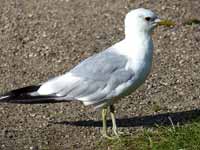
(25, 96)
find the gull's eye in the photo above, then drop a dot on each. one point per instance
(147, 18)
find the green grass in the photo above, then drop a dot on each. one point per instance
(184, 137)
(191, 21)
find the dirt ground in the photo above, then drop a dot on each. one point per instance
(42, 39)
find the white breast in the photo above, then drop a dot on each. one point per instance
(139, 52)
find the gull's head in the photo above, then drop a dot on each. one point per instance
(140, 21)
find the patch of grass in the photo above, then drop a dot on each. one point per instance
(184, 137)
(192, 21)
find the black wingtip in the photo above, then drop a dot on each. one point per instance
(24, 96)
(28, 99)
(24, 90)
(18, 92)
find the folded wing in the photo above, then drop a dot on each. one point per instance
(102, 76)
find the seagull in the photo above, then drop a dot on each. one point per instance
(104, 78)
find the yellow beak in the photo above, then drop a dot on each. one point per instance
(167, 23)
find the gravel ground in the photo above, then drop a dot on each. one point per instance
(42, 39)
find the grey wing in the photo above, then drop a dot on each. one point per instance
(102, 76)
(100, 66)
(97, 78)
(92, 91)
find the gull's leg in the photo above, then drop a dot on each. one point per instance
(112, 114)
(104, 121)
(114, 128)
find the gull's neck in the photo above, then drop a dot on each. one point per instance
(136, 45)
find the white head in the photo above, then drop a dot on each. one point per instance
(140, 20)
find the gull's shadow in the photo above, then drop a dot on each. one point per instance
(151, 120)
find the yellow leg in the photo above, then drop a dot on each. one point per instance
(104, 121)
(112, 114)
(114, 128)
